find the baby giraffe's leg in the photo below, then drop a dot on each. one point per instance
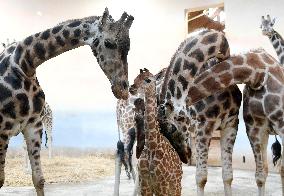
(202, 141)
(145, 187)
(175, 186)
(33, 140)
(163, 189)
(227, 141)
(4, 141)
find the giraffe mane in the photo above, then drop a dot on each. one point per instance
(168, 71)
(88, 18)
(6, 46)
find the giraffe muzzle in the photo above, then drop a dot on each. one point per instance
(120, 90)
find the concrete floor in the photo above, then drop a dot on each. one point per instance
(243, 185)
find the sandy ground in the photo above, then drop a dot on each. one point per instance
(243, 185)
(72, 172)
(66, 166)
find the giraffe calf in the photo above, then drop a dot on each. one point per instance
(159, 166)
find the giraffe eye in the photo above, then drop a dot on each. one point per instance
(110, 45)
(147, 80)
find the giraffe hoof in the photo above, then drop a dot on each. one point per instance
(40, 184)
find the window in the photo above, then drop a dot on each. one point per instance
(212, 17)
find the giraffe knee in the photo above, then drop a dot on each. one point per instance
(260, 180)
(227, 176)
(228, 181)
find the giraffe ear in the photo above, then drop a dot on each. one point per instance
(129, 21)
(141, 71)
(262, 18)
(146, 70)
(122, 18)
(273, 21)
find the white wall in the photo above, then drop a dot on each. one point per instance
(243, 19)
(74, 80)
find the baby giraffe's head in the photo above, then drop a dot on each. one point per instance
(135, 88)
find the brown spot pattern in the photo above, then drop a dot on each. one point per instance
(241, 74)
(254, 61)
(237, 60)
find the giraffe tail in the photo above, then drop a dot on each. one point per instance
(139, 120)
(276, 151)
(132, 134)
(46, 138)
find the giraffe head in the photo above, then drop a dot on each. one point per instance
(267, 25)
(139, 80)
(176, 138)
(149, 86)
(110, 44)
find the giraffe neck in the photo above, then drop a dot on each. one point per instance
(151, 123)
(278, 44)
(188, 61)
(42, 46)
(253, 68)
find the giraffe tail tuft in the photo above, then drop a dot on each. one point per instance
(121, 153)
(276, 151)
(46, 139)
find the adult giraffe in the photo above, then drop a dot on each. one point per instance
(22, 99)
(274, 37)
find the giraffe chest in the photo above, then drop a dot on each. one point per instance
(21, 100)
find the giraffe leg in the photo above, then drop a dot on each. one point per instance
(49, 141)
(133, 174)
(4, 141)
(27, 162)
(175, 187)
(258, 137)
(47, 122)
(145, 187)
(118, 165)
(202, 141)
(136, 186)
(33, 141)
(227, 141)
(163, 189)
